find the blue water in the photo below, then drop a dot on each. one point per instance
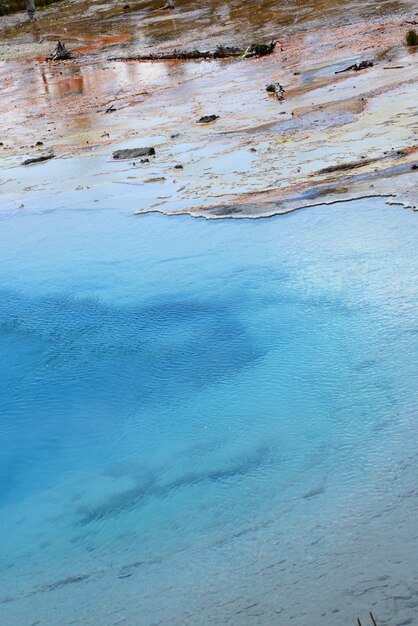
(207, 422)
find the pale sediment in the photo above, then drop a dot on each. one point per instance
(396, 185)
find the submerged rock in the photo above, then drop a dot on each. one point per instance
(133, 153)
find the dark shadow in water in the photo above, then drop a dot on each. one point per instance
(72, 369)
(148, 484)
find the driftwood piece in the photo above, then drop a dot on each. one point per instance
(60, 53)
(371, 617)
(183, 55)
(357, 67)
(207, 119)
(221, 52)
(38, 159)
(31, 8)
(259, 49)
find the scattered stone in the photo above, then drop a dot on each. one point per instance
(169, 5)
(144, 160)
(412, 38)
(207, 119)
(60, 53)
(39, 143)
(178, 166)
(133, 153)
(39, 159)
(253, 149)
(357, 67)
(126, 7)
(276, 89)
(414, 167)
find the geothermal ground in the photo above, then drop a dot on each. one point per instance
(335, 136)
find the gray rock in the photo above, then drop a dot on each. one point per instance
(133, 153)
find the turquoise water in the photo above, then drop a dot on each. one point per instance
(208, 422)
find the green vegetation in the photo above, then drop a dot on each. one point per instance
(412, 38)
(13, 6)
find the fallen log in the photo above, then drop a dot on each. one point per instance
(357, 67)
(38, 159)
(221, 52)
(259, 50)
(207, 119)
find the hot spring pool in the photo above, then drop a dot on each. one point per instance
(209, 422)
